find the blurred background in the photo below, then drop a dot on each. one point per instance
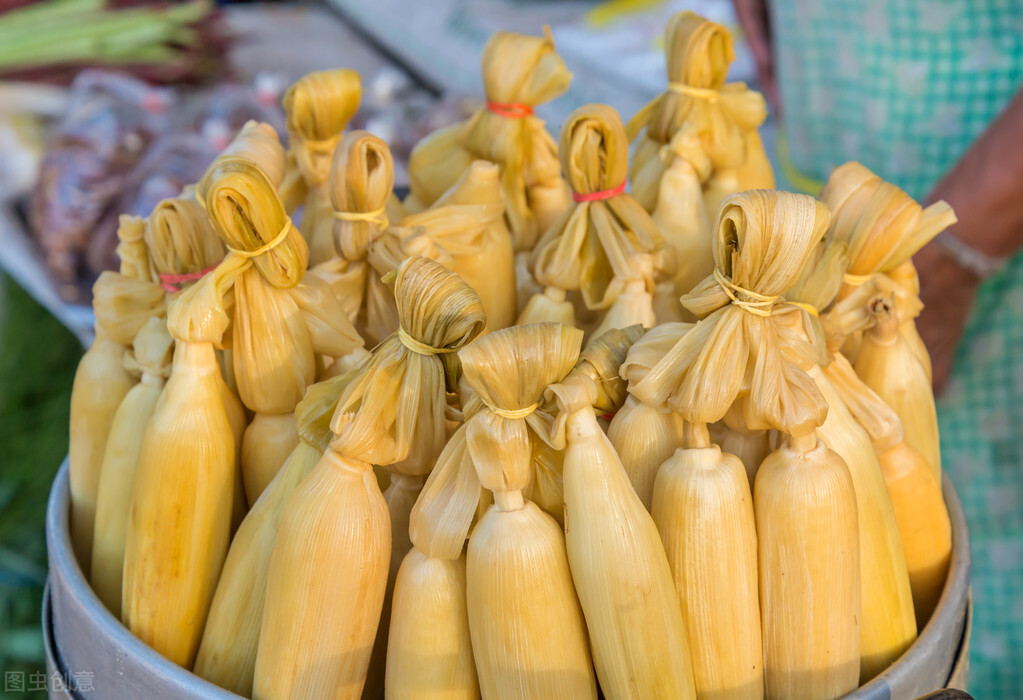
(109, 106)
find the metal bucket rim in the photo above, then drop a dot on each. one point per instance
(58, 542)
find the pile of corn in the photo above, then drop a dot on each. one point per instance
(668, 442)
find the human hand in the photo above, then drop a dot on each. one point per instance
(755, 22)
(947, 291)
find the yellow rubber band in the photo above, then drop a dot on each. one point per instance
(511, 414)
(761, 304)
(856, 280)
(266, 247)
(699, 93)
(376, 216)
(421, 348)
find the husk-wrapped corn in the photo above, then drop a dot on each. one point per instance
(124, 301)
(519, 73)
(318, 107)
(528, 634)
(645, 436)
(637, 635)
(605, 246)
(151, 359)
(465, 231)
(319, 617)
(361, 179)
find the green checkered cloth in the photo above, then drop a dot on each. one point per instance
(904, 87)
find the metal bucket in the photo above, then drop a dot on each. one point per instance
(86, 637)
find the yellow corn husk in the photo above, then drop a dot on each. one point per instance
(429, 652)
(883, 228)
(527, 629)
(887, 625)
(607, 246)
(644, 436)
(724, 117)
(682, 218)
(152, 349)
(429, 600)
(259, 143)
(181, 241)
(101, 383)
(750, 446)
(703, 508)
(318, 107)
(522, 72)
(123, 302)
(915, 494)
(762, 242)
(227, 653)
(391, 413)
(278, 322)
(262, 457)
(361, 180)
(181, 509)
(465, 231)
(547, 306)
(904, 275)
(637, 635)
(888, 365)
(805, 508)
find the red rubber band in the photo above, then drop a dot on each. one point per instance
(596, 196)
(172, 283)
(512, 110)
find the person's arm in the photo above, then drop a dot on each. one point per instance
(985, 188)
(755, 21)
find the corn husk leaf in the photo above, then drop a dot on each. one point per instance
(465, 231)
(150, 359)
(393, 414)
(520, 70)
(725, 116)
(598, 246)
(361, 180)
(763, 240)
(318, 107)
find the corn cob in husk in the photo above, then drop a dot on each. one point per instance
(361, 180)
(227, 653)
(279, 322)
(888, 625)
(519, 73)
(637, 635)
(151, 359)
(888, 365)
(605, 246)
(318, 107)
(883, 227)
(645, 436)
(739, 363)
(527, 629)
(183, 248)
(809, 571)
(699, 143)
(915, 493)
(320, 617)
(703, 508)
(180, 519)
(429, 645)
(123, 302)
(465, 231)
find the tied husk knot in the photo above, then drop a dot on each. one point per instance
(732, 356)
(361, 180)
(509, 370)
(181, 239)
(392, 412)
(598, 246)
(318, 106)
(698, 54)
